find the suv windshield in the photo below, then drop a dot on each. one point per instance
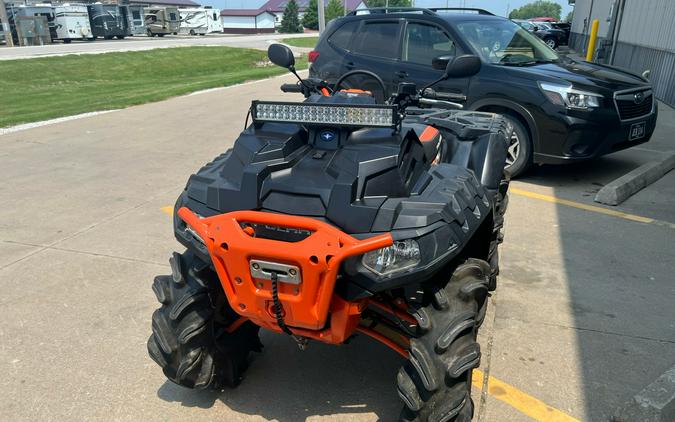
(505, 43)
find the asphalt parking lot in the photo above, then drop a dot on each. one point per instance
(583, 317)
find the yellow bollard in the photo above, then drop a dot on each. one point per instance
(592, 40)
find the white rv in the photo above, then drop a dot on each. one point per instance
(136, 17)
(200, 21)
(72, 22)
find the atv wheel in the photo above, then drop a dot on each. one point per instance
(501, 204)
(435, 384)
(189, 331)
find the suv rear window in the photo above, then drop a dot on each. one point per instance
(343, 35)
(378, 39)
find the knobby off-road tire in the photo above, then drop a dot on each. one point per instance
(435, 383)
(189, 338)
(501, 204)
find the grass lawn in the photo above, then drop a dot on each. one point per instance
(45, 88)
(308, 42)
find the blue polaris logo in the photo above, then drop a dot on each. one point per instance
(327, 135)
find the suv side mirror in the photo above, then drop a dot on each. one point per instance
(281, 56)
(462, 66)
(441, 62)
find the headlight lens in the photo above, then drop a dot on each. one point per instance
(401, 255)
(569, 97)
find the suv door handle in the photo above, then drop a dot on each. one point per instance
(401, 74)
(350, 65)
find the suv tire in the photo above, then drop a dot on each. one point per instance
(435, 383)
(551, 42)
(190, 338)
(519, 155)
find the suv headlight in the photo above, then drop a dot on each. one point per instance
(569, 97)
(401, 255)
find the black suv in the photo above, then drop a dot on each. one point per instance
(561, 110)
(553, 37)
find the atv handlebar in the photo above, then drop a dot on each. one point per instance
(291, 88)
(440, 104)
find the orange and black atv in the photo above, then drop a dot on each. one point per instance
(335, 217)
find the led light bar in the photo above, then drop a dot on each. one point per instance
(325, 114)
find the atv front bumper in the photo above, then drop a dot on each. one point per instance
(305, 270)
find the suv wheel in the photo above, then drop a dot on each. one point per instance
(551, 42)
(519, 153)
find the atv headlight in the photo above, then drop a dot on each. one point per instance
(401, 255)
(569, 97)
(324, 114)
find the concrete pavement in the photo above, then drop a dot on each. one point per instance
(140, 43)
(583, 315)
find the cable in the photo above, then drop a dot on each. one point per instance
(277, 305)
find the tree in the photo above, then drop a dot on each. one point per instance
(334, 10)
(539, 8)
(289, 21)
(392, 3)
(569, 16)
(311, 18)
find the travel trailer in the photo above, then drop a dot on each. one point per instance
(71, 22)
(160, 21)
(35, 10)
(108, 21)
(136, 19)
(200, 21)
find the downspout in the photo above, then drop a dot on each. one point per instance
(616, 28)
(590, 14)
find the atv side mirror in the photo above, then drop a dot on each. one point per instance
(281, 56)
(462, 66)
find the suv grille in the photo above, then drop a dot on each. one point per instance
(632, 105)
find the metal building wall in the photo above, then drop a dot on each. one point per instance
(646, 38)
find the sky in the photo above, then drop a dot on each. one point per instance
(498, 7)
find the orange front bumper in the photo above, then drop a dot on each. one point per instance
(307, 305)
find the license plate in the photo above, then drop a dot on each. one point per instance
(637, 131)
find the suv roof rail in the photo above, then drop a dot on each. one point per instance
(469, 9)
(391, 10)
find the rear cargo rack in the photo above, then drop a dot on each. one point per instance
(422, 10)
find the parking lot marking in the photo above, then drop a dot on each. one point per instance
(521, 401)
(168, 209)
(592, 208)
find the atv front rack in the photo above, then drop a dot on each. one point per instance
(304, 271)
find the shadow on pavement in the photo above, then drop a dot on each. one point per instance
(590, 294)
(584, 179)
(289, 385)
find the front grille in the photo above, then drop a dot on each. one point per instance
(629, 109)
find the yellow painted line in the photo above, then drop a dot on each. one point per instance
(579, 205)
(522, 402)
(168, 209)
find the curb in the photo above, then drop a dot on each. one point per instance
(655, 403)
(629, 184)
